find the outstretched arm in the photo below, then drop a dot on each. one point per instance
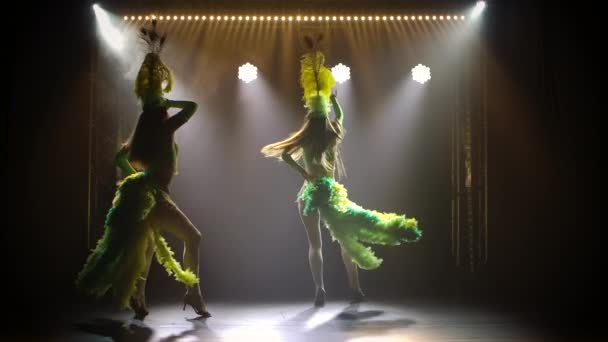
(337, 109)
(177, 120)
(122, 160)
(289, 160)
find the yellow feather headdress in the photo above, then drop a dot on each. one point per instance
(316, 80)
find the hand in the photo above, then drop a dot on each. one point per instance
(123, 151)
(166, 103)
(307, 176)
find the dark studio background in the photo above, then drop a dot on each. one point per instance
(544, 123)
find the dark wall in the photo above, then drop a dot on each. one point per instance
(544, 144)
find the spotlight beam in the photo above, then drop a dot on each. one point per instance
(109, 33)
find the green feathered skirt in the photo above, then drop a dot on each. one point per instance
(119, 260)
(353, 226)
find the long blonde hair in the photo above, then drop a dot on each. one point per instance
(318, 136)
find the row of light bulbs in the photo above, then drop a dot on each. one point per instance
(297, 18)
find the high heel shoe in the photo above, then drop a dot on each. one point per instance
(357, 296)
(141, 311)
(320, 298)
(196, 302)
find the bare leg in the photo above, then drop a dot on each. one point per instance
(141, 283)
(352, 271)
(138, 303)
(168, 217)
(315, 254)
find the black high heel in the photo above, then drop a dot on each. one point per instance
(196, 302)
(320, 298)
(141, 311)
(357, 296)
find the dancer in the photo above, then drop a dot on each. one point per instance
(317, 145)
(142, 207)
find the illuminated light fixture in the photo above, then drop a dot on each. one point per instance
(341, 73)
(479, 7)
(421, 73)
(248, 72)
(383, 17)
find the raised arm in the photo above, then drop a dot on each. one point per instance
(122, 160)
(287, 158)
(337, 109)
(177, 120)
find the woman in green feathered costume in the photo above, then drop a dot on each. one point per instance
(142, 207)
(317, 144)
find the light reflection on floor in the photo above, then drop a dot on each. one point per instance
(337, 321)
